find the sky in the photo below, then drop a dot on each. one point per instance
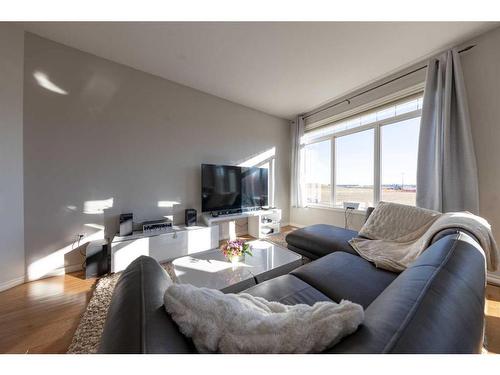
(354, 156)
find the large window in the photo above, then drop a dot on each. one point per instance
(398, 170)
(317, 172)
(366, 158)
(354, 169)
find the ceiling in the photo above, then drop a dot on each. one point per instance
(279, 68)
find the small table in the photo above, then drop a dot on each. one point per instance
(210, 268)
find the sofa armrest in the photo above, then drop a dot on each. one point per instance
(137, 321)
(434, 306)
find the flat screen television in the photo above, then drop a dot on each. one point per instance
(220, 187)
(254, 191)
(228, 187)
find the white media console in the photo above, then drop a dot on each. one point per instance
(258, 224)
(165, 246)
(181, 240)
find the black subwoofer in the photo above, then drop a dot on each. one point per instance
(190, 217)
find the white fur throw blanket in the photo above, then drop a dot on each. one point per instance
(241, 323)
(397, 234)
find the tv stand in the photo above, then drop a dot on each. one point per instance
(257, 223)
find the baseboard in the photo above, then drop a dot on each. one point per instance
(12, 283)
(22, 279)
(493, 279)
(58, 271)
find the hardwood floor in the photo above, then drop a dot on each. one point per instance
(492, 314)
(42, 316)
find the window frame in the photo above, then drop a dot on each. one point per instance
(332, 177)
(376, 126)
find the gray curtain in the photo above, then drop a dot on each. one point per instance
(447, 171)
(295, 188)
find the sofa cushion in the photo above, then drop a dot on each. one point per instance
(345, 276)
(288, 290)
(318, 240)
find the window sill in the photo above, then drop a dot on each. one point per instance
(334, 208)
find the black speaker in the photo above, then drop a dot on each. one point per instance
(190, 217)
(126, 224)
(97, 259)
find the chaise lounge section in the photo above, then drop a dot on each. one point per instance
(319, 240)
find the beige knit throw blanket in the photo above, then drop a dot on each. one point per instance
(396, 234)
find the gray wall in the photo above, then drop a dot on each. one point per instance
(123, 134)
(481, 66)
(11, 156)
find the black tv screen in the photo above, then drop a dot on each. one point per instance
(227, 187)
(220, 187)
(254, 192)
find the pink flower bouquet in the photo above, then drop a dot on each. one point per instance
(235, 250)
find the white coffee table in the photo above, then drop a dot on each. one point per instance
(211, 269)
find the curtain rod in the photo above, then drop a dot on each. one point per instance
(348, 100)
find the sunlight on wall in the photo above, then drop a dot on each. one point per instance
(168, 204)
(97, 207)
(259, 159)
(53, 264)
(266, 160)
(95, 226)
(43, 80)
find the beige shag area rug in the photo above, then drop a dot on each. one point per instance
(88, 333)
(278, 239)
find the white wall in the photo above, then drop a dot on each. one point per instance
(311, 215)
(121, 134)
(11, 156)
(481, 66)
